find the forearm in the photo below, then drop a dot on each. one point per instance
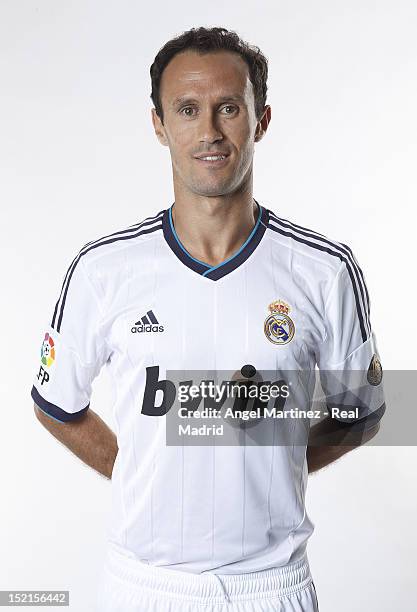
(88, 437)
(328, 441)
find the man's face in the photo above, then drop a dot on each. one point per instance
(209, 107)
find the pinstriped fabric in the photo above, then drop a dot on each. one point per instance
(133, 231)
(340, 245)
(336, 249)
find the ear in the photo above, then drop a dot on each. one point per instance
(159, 128)
(262, 125)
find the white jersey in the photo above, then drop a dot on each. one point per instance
(137, 301)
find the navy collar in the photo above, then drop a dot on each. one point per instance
(230, 264)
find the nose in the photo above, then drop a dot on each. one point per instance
(209, 127)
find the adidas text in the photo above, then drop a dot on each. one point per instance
(139, 329)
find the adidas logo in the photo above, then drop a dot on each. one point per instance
(148, 323)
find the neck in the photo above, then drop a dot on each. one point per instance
(213, 229)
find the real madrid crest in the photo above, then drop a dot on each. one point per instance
(279, 328)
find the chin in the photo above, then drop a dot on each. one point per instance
(211, 190)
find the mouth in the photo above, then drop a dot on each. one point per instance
(214, 161)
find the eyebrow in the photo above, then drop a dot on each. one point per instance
(189, 99)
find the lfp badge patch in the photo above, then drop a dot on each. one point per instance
(48, 350)
(279, 328)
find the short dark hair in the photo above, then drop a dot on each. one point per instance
(206, 40)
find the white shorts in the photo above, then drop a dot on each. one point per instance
(127, 585)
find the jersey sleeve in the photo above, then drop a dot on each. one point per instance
(348, 358)
(73, 348)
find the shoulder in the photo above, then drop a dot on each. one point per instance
(112, 246)
(309, 246)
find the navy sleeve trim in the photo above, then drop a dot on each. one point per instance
(54, 411)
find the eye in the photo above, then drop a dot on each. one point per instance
(185, 109)
(230, 106)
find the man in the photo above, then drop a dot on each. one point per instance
(216, 282)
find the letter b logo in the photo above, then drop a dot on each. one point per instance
(152, 386)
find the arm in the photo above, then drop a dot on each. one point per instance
(349, 368)
(328, 441)
(88, 437)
